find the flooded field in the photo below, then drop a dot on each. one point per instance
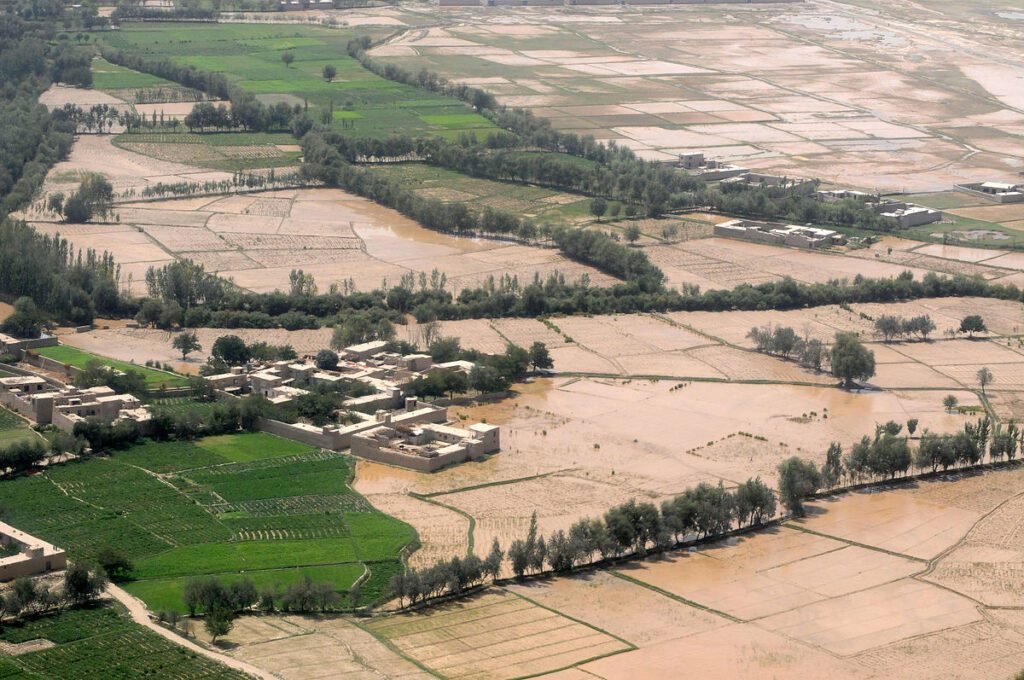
(890, 97)
(913, 582)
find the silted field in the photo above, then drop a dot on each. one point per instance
(868, 96)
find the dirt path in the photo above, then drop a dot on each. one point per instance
(140, 615)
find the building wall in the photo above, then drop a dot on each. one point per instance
(997, 198)
(369, 449)
(25, 565)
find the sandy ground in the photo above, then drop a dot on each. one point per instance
(888, 96)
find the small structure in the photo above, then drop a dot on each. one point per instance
(907, 214)
(999, 192)
(12, 345)
(780, 234)
(37, 400)
(33, 556)
(364, 351)
(696, 164)
(837, 195)
(797, 185)
(426, 447)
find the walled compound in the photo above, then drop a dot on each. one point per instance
(25, 555)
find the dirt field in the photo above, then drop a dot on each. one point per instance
(839, 594)
(875, 95)
(257, 239)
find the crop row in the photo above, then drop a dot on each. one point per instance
(300, 505)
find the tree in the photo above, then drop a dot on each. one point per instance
(912, 426)
(288, 57)
(186, 343)
(950, 402)
(889, 326)
(326, 360)
(26, 321)
(81, 584)
(487, 379)
(754, 502)
(219, 622)
(598, 207)
(851, 360)
(77, 210)
(329, 72)
(117, 565)
(492, 564)
(832, 468)
(519, 556)
(539, 356)
(985, 378)
(972, 324)
(443, 350)
(798, 480)
(230, 349)
(632, 233)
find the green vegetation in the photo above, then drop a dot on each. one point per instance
(100, 643)
(249, 56)
(250, 446)
(544, 206)
(13, 429)
(247, 503)
(80, 359)
(107, 76)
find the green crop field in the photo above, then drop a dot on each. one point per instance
(107, 76)
(182, 405)
(13, 428)
(247, 503)
(101, 642)
(250, 446)
(79, 359)
(250, 56)
(538, 203)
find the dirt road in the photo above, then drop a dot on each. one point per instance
(140, 615)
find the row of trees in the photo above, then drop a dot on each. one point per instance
(69, 285)
(890, 326)
(783, 341)
(95, 196)
(889, 453)
(220, 602)
(252, 116)
(81, 585)
(633, 528)
(849, 359)
(21, 456)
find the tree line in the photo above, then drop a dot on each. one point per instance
(632, 528)
(27, 597)
(220, 603)
(246, 112)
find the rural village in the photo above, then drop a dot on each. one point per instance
(512, 338)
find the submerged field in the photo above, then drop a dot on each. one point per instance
(881, 96)
(248, 504)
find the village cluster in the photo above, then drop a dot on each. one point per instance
(388, 425)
